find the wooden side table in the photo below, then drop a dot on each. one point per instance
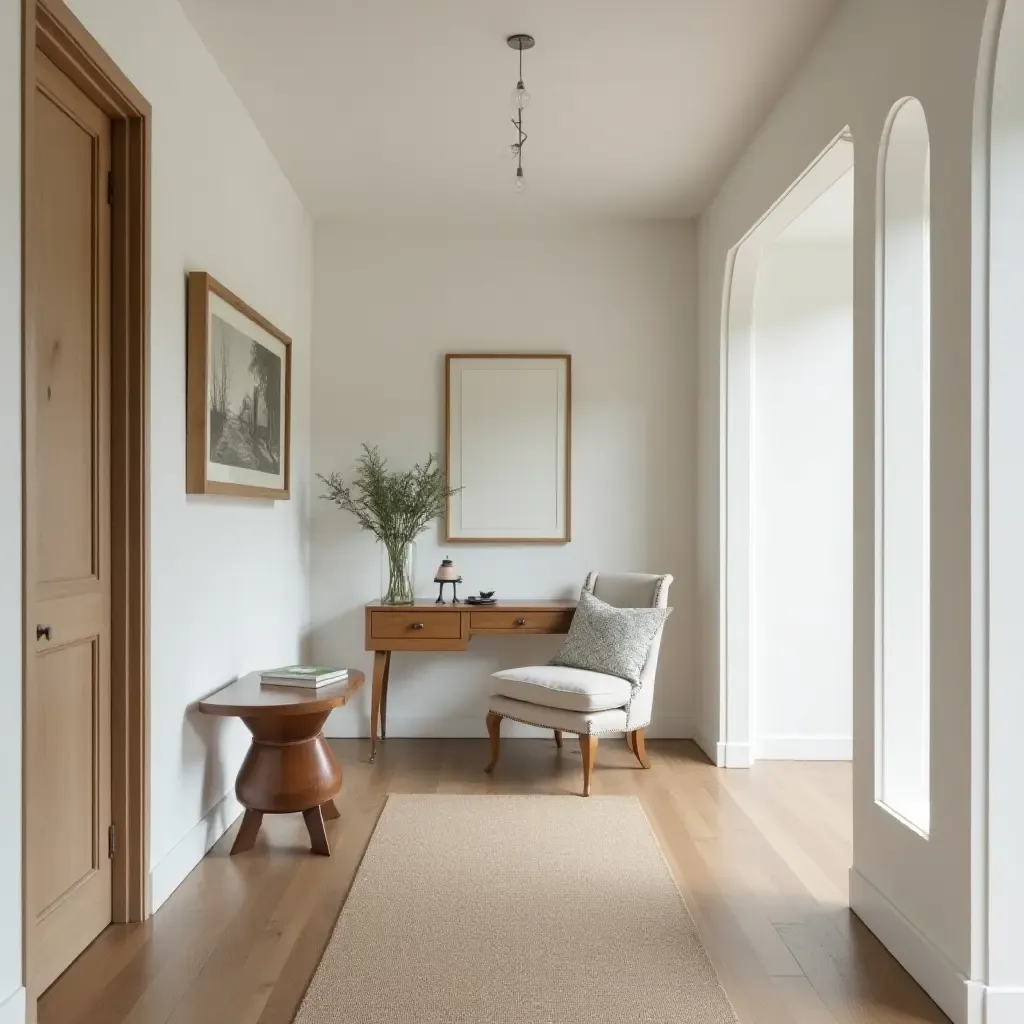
(289, 766)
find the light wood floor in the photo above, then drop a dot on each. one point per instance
(761, 857)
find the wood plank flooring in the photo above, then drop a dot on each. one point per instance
(761, 857)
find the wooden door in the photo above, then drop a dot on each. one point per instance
(67, 525)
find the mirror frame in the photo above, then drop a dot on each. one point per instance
(452, 358)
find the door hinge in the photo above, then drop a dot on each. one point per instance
(111, 841)
(110, 187)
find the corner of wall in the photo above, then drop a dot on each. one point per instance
(193, 847)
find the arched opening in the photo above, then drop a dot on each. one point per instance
(902, 461)
(774, 328)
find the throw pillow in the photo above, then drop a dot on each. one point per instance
(603, 638)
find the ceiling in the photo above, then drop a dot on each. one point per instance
(400, 108)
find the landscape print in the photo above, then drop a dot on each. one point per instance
(245, 401)
(238, 400)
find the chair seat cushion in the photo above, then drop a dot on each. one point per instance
(558, 686)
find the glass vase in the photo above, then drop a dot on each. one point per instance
(397, 571)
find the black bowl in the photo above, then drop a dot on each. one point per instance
(487, 594)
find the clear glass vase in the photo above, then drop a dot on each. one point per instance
(397, 572)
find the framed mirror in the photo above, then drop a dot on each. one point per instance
(508, 427)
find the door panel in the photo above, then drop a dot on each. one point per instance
(65, 735)
(67, 493)
(66, 378)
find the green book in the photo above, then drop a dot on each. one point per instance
(303, 675)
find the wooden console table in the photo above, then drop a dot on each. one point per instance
(426, 626)
(289, 767)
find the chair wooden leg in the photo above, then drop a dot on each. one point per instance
(494, 731)
(588, 747)
(558, 738)
(629, 742)
(636, 744)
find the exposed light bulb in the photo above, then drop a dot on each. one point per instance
(520, 181)
(520, 97)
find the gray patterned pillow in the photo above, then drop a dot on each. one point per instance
(615, 641)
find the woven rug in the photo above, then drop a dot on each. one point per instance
(514, 909)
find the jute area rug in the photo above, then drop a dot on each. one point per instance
(514, 909)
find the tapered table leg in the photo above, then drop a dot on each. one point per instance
(247, 832)
(314, 818)
(384, 695)
(380, 667)
(330, 810)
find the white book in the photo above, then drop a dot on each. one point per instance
(307, 676)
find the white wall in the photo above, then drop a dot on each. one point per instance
(228, 576)
(10, 509)
(871, 55)
(999, 379)
(801, 500)
(388, 303)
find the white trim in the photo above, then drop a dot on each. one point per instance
(1000, 1005)
(735, 755)
(14, 1010)
(803, 748)
(923, 960)
(722, 754)
(981, 221)
(664, 727)
(193, 847)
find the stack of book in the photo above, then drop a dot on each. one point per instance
(306, 676)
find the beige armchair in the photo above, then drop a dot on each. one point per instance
(578, 701)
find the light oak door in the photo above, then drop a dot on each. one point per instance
(67, 526)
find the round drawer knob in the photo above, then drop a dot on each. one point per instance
(520, 622)
(417, 625)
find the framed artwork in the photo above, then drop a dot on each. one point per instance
(238, 396)
(508, 427)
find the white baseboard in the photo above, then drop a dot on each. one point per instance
(13, 1009)
(723, 755)
(193, 847)
(923, 960)
(735, 755)
(995, 1005)
(803, 748)
(714, 751)
(665, 727)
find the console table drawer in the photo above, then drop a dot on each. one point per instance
(526, 622)
(415, 625)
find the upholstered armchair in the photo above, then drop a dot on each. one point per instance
(579, 701)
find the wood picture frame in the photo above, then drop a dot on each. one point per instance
(508, 447)
(238, 397)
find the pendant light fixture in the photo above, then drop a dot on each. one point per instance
(520, 100)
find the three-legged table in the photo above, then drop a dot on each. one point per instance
(289, 767)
